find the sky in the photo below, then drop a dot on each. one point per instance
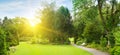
(26, 8)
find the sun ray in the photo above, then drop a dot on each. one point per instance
(32, 24)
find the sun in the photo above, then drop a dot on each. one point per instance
(32, 24)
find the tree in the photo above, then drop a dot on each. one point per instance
(105, 11)
(56, 24)
(110, 20)
(92, 32)
(3, 43)
(85, 12)
(64, 23)
(10, 31)
(47, 22)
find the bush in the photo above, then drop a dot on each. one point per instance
(3, 47)
(97, 46)
(115, 50)
(80, 41)
(92, 32)
(111, 39)
(103, 42)
(117, 37)
(92, 45)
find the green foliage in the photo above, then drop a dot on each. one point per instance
(115, 50)
(92, 45)
(95, 22)
(13, 29)
(84, 12)
(48, 23)
(10, 32)
(79, 26)
(111, 39)
(103, 41)
(89, 14)
(103, 44)
(64, 22)
(55, 25)
(3, 44)
(117, 37)
(80, 41)
(92, 33)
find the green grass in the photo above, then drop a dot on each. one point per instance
(36, 49)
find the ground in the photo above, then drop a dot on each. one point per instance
(37, 49)
(93, 51)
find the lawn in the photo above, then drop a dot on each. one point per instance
(37, 49)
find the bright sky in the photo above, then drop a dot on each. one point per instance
(26, 8)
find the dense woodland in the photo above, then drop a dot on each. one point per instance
(94, 22)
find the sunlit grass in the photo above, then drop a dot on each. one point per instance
(36, 49)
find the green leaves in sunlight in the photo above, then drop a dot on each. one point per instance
(56, 24)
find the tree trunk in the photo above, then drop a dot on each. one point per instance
(100, 2)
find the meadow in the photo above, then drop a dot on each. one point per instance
(38, 49)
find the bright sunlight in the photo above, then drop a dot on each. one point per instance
(59, 27)
(32, 24)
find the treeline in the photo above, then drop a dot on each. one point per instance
(55, 28)
(56, 24)
(96, 23)
(13, 30)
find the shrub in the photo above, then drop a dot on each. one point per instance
(115, 50)
(117, 37)
(92, 45)
(3, 47)
(80, 41)
(103, 42)
(92, 33)
(111, 39)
